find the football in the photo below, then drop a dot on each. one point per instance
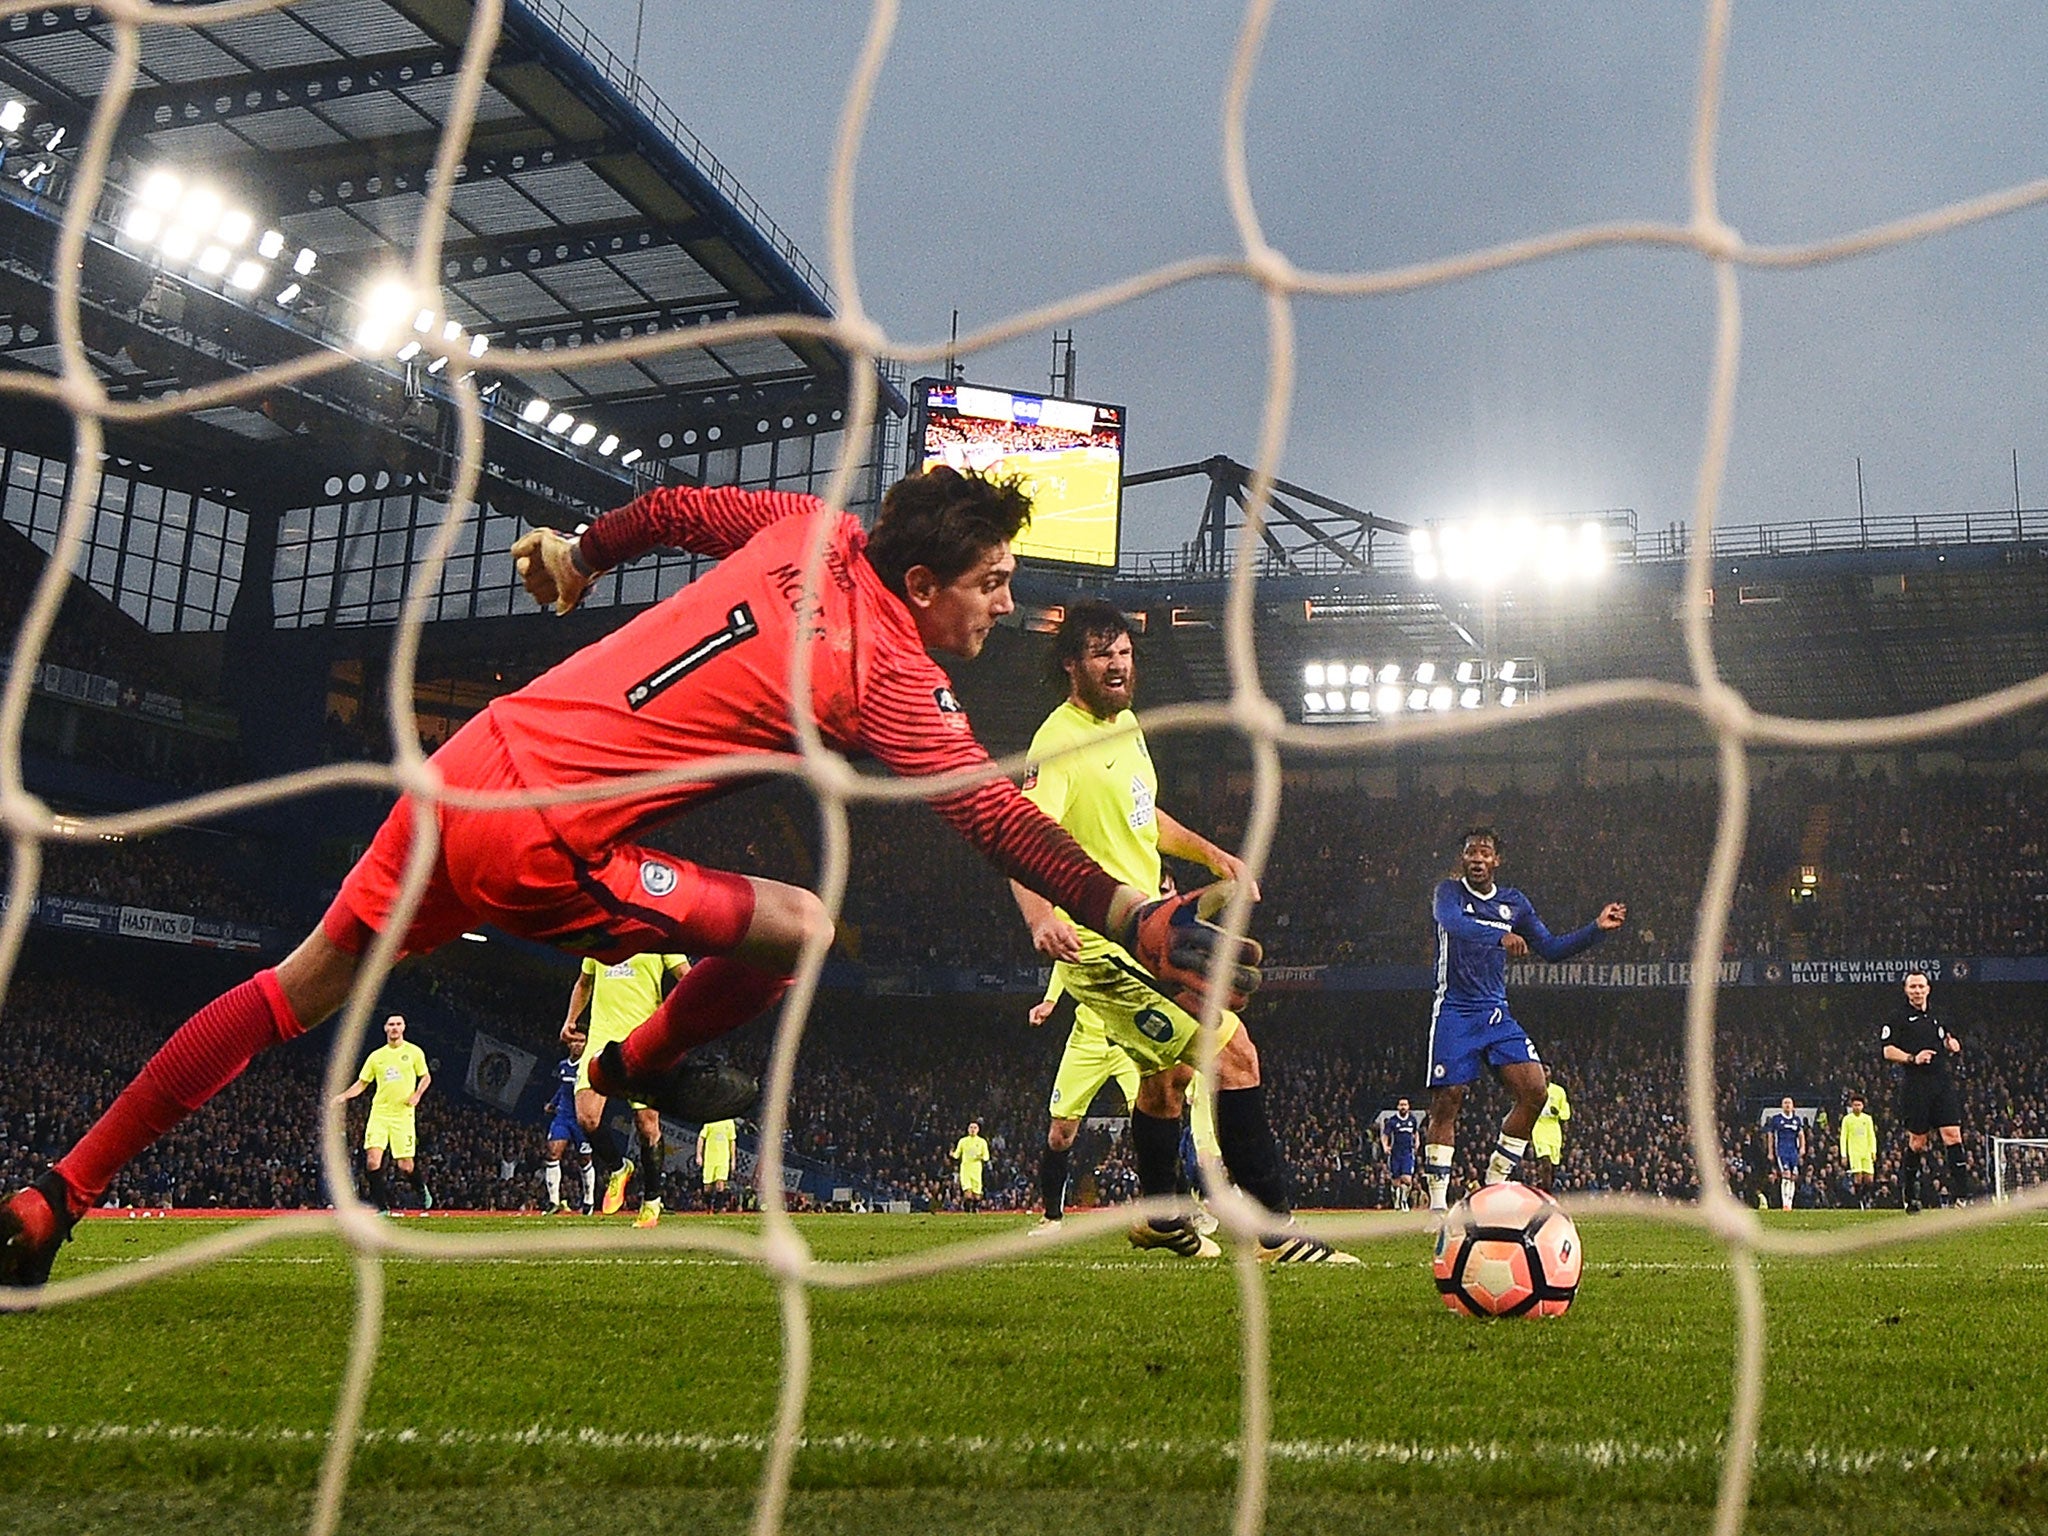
(1507, 1251)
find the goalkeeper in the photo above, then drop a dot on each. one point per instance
(703, 674)
(1091, 772)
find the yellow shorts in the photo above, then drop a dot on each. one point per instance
(1154, 1030)
(599, 1039)
(1863, 1165)
(970, 1178)
(1548, 1151)
(1088, 1062)
(392, 1130)
(717, 1169)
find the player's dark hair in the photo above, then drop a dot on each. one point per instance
(945, 521)
(1087, 620)
(1482, 830)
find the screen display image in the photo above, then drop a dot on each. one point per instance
(1070, 454)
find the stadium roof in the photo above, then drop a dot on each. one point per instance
(585, 211)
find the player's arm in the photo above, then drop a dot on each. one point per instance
(1564, 1106)
(1556, 947)
(1051, 935)
(420, 1092)
(713, 520)
(1180, 842)
(579, 999)
(700, 1146)
(352, 1090)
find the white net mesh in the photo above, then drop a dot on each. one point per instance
(780, 1248)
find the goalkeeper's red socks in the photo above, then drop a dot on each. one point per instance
(714, 998)
(208, 1051)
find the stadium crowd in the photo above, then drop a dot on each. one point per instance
(885, 1086)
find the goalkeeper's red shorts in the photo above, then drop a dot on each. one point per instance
(512, 869)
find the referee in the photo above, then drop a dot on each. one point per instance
(1928, 1101)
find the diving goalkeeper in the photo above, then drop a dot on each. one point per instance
(702, 674)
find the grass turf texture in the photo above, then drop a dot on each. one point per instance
(1904, 1392)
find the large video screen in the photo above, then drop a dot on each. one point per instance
(1069, 452)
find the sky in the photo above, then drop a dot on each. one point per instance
(1019, 154)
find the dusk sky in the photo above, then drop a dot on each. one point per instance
(1019, 154)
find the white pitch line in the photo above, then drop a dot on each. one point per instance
(1595, 1454)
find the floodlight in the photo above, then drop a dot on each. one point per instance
(1510, 695)
(142, 224)
(583, 434)
(438, 363)
(477, 344)
(214, 260)
(408, 352)
(1468, 671)
(56, 138)
(271, 246)
(381, 313)
(287, 293)
(161, 191)
(179, 243)
(1426, 672)
(1312, 702)
(451, 330)
(1312, 674)
(13, 115)
(1361, 701)
(1418, 698)
(1389, 700)
(200, 208)
(536, 412)
(1507, 671)
(561, 421)
(305, 262)
(423, 322)
(1361, 674)
(1391, 672)
(234, 226)
(1440, 696)
(247, 275)
(631, 455)
(1469, 699)
(611, 441)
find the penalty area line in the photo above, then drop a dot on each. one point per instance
(1598, 1455)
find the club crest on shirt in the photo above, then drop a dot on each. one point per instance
(1154, 1025)
(1506, 911)
(657, 878)
(1030, 776)
(949, 708)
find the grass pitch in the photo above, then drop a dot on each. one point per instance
(1092, 1388)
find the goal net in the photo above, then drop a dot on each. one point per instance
(1280, 286)
(2017, 1163)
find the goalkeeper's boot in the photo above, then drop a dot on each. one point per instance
(615, 1188)
(650, 1215)
(1178, 1238)
(30, 1238)
(1291, 1245)
(699, 1088)
(426, 1198)
(1046, 1227)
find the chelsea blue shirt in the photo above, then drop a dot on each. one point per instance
(1401, 1134)
(1784, 1130)
(1471, 967)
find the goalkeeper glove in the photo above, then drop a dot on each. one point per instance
(1175, 937)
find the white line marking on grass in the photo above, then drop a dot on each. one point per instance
(1596, 1454)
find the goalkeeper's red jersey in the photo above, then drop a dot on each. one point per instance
(705, 673)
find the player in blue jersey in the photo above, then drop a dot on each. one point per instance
(1480, 927)
(1399, 1133)
(564, 1132)
(1786, 1132)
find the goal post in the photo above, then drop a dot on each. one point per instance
(2017, 1162)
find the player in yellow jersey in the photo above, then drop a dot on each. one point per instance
(715, 1141)
(1859, 1150)
(620, 997)
(1091, 772)
(398, 1069)
(971, 1153)
(1546, 1136)
(1089, 1060)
